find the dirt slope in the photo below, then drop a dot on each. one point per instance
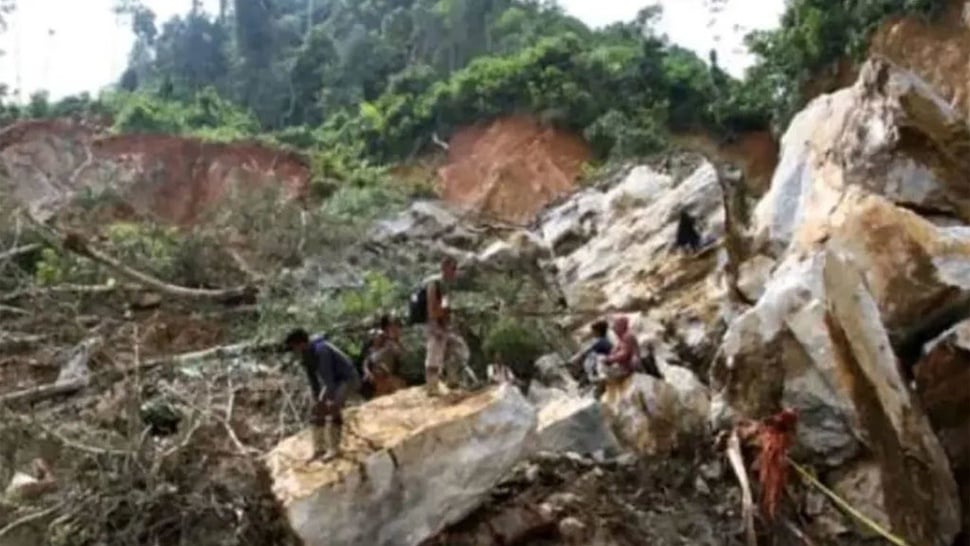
(173, 179)
(511, 168)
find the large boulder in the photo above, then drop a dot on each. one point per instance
(411, 466)
(890, 134)
(569, 423)
(613, 250)
(647, 415)
(861, 252)
(919, 492)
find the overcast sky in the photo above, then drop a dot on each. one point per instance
(70, 46)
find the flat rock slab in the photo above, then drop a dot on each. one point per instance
(411, 465)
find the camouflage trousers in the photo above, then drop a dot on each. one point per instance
(447, 354)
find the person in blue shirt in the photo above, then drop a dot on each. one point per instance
(597, 350)
(332, 377)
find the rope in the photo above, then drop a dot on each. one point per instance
(844, 505)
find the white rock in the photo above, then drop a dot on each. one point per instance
(412, 466)
(574, 424)
(646, 415)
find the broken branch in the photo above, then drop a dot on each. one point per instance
(18, 251)
(74, 377)
(747, 500)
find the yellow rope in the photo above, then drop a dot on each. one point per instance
(845, 506)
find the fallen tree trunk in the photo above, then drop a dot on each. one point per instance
(215, 353)
(75, 243)
(74, 376)
(78, 289)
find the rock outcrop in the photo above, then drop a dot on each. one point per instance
(864, 220)
(614, 251)
(411, 466)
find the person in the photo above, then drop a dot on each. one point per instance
(332, 378)
(383, 359)
(687, 236)
(625, 356)
(593, 354)
(444, 347)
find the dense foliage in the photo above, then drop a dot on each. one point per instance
(813, 36)
(375, 81)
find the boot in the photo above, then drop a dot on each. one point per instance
(433, 383)
(320, 442)
(333, 436)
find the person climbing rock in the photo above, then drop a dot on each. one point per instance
(332, 378)
(625, 356)
(383, 358)
(594, 353)
(445, 348)
(687, 236)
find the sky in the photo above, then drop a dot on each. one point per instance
(70, 46)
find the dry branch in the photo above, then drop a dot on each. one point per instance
(747, 500)
(30, 518)
(18, 251)
(74, 376)
(215, 353)
(76, 243)
(10, 342)
(77, 289)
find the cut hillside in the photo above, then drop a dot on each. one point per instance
(168, 178)
(512, 167)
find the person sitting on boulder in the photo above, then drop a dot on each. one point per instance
(332, 378)
(383, 358)
(595, 352)
(624, 358)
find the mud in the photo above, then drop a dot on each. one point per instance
(511, 168)
(167, 178)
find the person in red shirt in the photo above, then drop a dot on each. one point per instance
(625, 357)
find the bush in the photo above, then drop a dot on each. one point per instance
(514, 344)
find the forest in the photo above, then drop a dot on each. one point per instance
(374, 82)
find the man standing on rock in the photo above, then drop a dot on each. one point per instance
(624, 359)
(430, 305)
(332, 379)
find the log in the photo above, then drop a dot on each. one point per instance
(76, 243)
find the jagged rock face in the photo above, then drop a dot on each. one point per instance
(889, 135)
(411, 466)
(919, 491)
(613, 251)
(859, 270)
(942, 377)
